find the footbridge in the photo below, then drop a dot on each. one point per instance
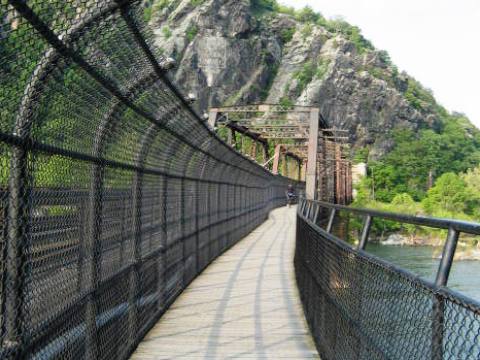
(130, 229)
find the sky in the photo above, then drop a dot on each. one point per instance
(435, 41)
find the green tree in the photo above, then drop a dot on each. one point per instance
(472, 180)
(403, 203)
(307, 14)
(449, 194)
(263, 5)
(287, 34)
(418, 155)
(286, 102)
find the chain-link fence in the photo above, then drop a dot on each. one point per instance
(361, 307)
(114, 194)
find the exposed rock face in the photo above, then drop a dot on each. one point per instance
(227, 55)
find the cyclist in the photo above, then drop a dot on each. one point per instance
(291, 196)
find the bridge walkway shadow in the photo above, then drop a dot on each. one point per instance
(245, 305)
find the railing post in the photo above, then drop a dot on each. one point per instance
(219, 217)
(447, 257)
(443, 274)
(134, 289)
(360, 280)
(317, 212)
(197, 225)
(164, 242)
(182, 229)
(365, 232)
(91, 275)
(311, 176)
(15, 253)
(305, 208)
(309, 208)
(331, 220)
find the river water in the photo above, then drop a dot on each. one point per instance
(421, 260)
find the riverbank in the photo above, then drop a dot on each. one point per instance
(466, 250)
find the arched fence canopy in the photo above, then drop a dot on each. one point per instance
(114, 193)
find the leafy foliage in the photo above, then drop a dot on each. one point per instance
(286, 35)
(191, 32)
(288, 10)
(361, 155)
(307, 31)
(449, 193)
(385, 57)
(286, 102)
(416, 156)
(151, 9)
(452, 196)
(197, 2)
(352, 33)
(166, 32)
(308, 15)
(304, 76)
(261, 6)
(322, 68)
(417, 96)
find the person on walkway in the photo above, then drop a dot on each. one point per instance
(291, 196)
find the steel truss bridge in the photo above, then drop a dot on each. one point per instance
(299, 134)
(130, 229)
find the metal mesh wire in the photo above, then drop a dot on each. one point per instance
(114, 195)
(361, 307)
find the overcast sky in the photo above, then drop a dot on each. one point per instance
(435, 41)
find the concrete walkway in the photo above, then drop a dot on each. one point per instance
(245, 305)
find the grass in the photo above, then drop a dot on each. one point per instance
(191, 32)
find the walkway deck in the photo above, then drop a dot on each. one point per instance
(244, 305)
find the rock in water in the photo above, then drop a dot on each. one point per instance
(395, 240)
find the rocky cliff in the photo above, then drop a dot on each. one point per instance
(241, 51)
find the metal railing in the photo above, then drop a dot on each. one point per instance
(114, 194)
(361, 307)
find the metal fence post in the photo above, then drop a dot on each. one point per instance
(309, 210)
(447, 257)
(317, 212)
(209, 224)
(182, 229)
(164, 241)
(359, 281)
(197, 235)
(134, 288)
(438, 310)
(331, 220)
(365, 232)
(219, 225)
(92, 247)
(15, 248)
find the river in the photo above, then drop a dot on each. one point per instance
(465, 275)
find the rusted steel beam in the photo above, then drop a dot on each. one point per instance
(311, 186)
(285, 165)
(276, 159)
(254, 150)
(265, 152)
(243, 130)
